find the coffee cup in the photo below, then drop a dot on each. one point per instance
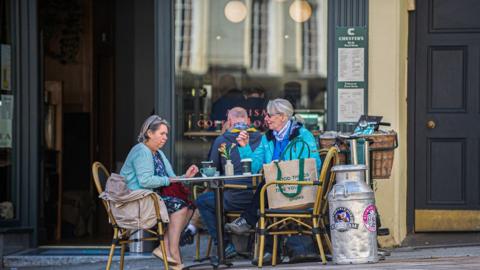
(207, 163)
(218, 125)
(246, 165)
(208, 171)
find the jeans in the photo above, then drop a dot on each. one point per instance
(251, 212)
(234, 200)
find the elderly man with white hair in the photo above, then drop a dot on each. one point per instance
(284, 128)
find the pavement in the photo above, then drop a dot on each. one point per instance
(88, 258)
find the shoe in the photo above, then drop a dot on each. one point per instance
(238, 226)
(230, 251)
(267, 259)
(157, 252)
(384, 252)
(187, 237)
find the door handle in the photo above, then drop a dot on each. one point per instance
(431, 124)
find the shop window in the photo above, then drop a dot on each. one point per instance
(8, 95)
(244, 53)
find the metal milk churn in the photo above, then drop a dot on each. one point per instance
(353, 215)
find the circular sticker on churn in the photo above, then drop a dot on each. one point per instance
(343, 220)
(370, 218)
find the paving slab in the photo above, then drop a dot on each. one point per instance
(459, 257)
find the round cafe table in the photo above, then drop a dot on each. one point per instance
(217, 184)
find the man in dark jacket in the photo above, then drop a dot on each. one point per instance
(234, 200)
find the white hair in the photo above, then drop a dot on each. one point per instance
(283, 106)
(152, 123)
(280, 106)
(238, 112)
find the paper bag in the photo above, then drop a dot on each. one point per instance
(291, 196)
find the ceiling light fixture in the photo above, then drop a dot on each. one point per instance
(300, 11)
(235, 11)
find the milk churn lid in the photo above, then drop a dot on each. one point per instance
(348, 168)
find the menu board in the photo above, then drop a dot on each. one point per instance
(350, 103)
(351, 79)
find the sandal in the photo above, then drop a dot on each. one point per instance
(157, 252)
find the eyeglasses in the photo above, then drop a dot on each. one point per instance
(270, 115)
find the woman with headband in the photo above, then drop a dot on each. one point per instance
(147, 167)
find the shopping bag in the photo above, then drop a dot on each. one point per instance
(291, 196)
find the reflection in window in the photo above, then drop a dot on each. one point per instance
(7, 94)
(245, 56)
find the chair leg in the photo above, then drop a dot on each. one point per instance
(112, 248)
(162, 244)
(325, 235)
(261, 245)
(320, 247)
(122, 256)
(275, 245)
(197, 247)
(209, 247)
(328, 242)
(256, 242)
(319, 243)
(274, 252)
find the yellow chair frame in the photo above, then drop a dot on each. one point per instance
(121, 235)
(310, 221)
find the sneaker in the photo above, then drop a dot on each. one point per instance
(230, 251)
(238, 226)
(186, 238)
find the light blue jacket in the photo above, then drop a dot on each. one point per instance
(264, 152)
(138, 169)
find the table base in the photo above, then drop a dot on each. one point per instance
(212, 263)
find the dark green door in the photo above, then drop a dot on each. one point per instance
(447, 115)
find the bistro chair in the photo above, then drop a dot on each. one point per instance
(310, 221)
(197, 189)
(121, 235)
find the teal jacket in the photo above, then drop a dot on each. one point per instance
(138, 169)
(264, 152)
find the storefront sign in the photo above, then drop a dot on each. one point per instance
(351, 81)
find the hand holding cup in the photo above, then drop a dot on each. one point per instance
(191, 171)
(242, 138)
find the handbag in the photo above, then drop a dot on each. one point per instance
(177, 190)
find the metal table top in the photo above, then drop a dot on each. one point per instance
(211, 178)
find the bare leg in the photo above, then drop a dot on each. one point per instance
(188, 217)
(167, 242)
(175, 228)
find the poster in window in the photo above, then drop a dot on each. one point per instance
(6, 116)
(6, 67)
